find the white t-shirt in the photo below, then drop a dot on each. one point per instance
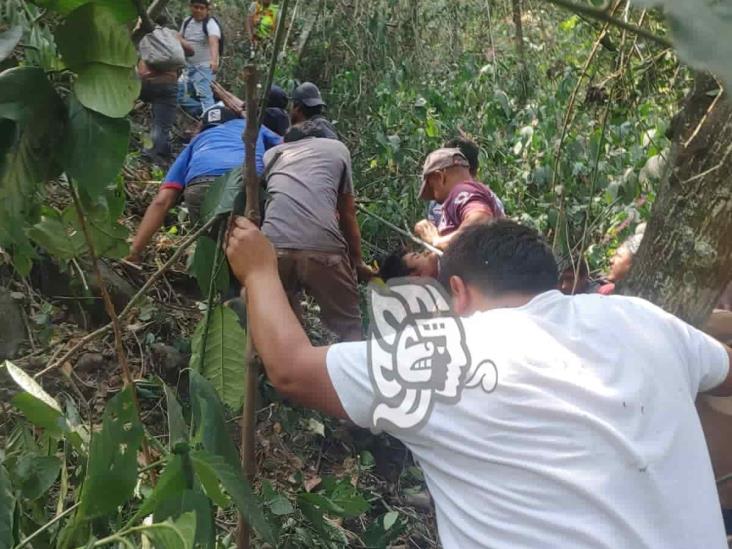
(194, 33)
(590, 438)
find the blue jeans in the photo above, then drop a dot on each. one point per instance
(194, 89)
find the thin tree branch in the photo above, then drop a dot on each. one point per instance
(146, 23)
(109, 306)
(606, 16)
(251, 188)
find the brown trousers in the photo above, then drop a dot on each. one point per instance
(330, 279)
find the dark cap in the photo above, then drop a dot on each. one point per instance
(277, 97)
(308, 94)
(216, 115)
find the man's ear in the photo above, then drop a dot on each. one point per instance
(460, 296)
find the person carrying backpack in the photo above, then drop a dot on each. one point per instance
(161, 59)
(202, 39)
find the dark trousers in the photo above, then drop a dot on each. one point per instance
(163, 100)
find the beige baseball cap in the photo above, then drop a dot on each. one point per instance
(439, 160)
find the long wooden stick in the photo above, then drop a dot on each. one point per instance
(251, 188)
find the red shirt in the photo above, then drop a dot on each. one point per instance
(464, 198)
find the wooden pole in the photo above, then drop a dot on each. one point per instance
(250, 185)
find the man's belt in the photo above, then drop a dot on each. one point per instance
(202, 179)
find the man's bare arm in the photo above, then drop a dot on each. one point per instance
(352, 234)
(213, 45)
(474, 217)
(153, 220)
(296, 368)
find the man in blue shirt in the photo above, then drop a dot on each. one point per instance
(216, 150)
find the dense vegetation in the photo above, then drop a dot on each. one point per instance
(573, 122)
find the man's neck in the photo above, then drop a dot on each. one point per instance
(454, 177)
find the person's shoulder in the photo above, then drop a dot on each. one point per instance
(213, 26)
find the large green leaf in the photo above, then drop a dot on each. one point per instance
(36, 474)
(221, 195)
(58, 239)
(698, 30)
(238, 488)
(39, 407)
(111, 472)
(173, 534)
(123, 10)
(7, 510)
(95, 147)
(223, 360)
(109, 238)
(172, 482)
(108, 90)
(9, 39)
(209, 420)
(92, 34)
(30, 155)
(203, 266)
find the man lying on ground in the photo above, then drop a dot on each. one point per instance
(216, 150)
(401, 263)
(589, 437)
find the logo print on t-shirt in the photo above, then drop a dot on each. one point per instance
(462, 197)
(418, 354)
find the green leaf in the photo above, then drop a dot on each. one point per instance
(7, 510)
(36, 474)
(239, 490)
(108, 90)
(698, 28)
(172, 482)
(123, 10)
(202, 266)
(177, 429)
(173, 534)
(92, 34)
(188, 500)
(39, 407)
(209, 423)
(280, 505)
(30, 155)
(58, 239)
(223, 361)
(221, 195)
(95, 147)
(111, 472)
(8, 40)
(211, 484)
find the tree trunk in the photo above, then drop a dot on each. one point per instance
(685, 259)
(520, 51)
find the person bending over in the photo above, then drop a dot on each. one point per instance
(589, 437)
(216, 150)
(446, 179)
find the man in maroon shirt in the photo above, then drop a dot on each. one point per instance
(446, 179)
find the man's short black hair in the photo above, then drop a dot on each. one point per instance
(393, 265)
(500, 257)
(309, 112)
(469, 148)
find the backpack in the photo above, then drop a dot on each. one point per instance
(161, 50)
(204, 24)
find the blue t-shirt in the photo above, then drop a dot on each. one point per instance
(216, 151)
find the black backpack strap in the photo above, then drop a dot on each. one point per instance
(185, 24)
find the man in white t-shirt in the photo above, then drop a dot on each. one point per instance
(200, 35)
(585, 435)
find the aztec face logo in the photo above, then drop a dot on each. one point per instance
(417, 353)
